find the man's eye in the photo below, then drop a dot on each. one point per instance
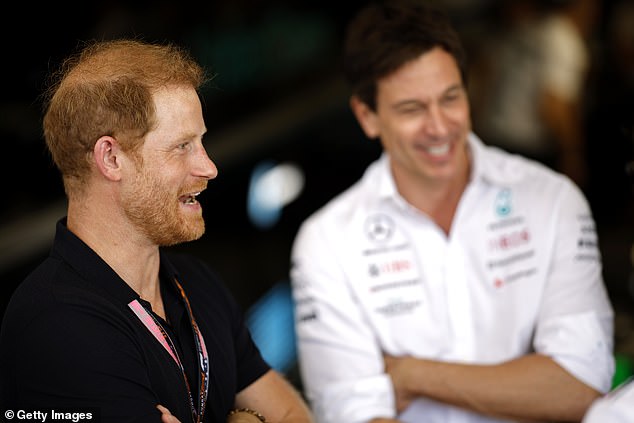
(409, 110)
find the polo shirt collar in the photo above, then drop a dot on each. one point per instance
(94, 271)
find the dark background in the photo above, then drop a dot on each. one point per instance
(278, 95)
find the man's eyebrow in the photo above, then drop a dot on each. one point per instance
(454, 87)
(191, 135)
(416, 102)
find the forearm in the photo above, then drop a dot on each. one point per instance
(275, 399)
(253, 416)
(533, 387)
(290, 414)
(245, 415)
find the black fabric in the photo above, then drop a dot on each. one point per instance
(69, 340)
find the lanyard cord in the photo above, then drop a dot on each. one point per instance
(161, 335)
(203, 357)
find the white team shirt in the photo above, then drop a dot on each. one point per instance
(519, 272)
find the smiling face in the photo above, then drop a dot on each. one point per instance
(160, 195)
(422, 119)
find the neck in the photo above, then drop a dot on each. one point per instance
(130, 254)
(437, 199)
(153, 296)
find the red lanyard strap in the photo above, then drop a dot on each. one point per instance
(161, 335)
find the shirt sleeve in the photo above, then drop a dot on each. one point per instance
(340, 360)
(575, 323)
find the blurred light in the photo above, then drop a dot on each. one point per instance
(272, 327)
(272, 186)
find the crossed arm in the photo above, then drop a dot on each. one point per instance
(532, 387)
(271, 396)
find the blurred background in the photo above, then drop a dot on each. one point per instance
(284, 140)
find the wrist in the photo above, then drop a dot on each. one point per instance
(245, 415)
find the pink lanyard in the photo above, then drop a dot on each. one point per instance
(156, 329)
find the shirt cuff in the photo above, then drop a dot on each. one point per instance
(356, 401)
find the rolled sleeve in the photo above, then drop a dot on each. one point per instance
(581, 345)
(576, 323)
(355, 401)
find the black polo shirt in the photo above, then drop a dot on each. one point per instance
(69, 341)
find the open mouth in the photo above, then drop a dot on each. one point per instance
(438, 150)
(189, 199)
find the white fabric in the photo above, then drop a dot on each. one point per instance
(615, 407)
(520, 271)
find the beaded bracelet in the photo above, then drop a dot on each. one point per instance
(249, 411)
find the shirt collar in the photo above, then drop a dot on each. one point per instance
(386, 184)
(492, 166)
(94, 271)
(487, 166)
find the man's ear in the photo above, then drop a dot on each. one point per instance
(106, 154)
(367, 118)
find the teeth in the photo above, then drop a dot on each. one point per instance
(190, 198)
(438, 150)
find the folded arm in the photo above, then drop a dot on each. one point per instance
(275, 398)
(532, 387)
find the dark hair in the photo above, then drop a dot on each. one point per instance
(384, 35)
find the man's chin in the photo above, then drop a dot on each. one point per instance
(193, 234)
(187, 233)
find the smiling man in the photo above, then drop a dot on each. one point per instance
(453, 282)
(112, 324)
